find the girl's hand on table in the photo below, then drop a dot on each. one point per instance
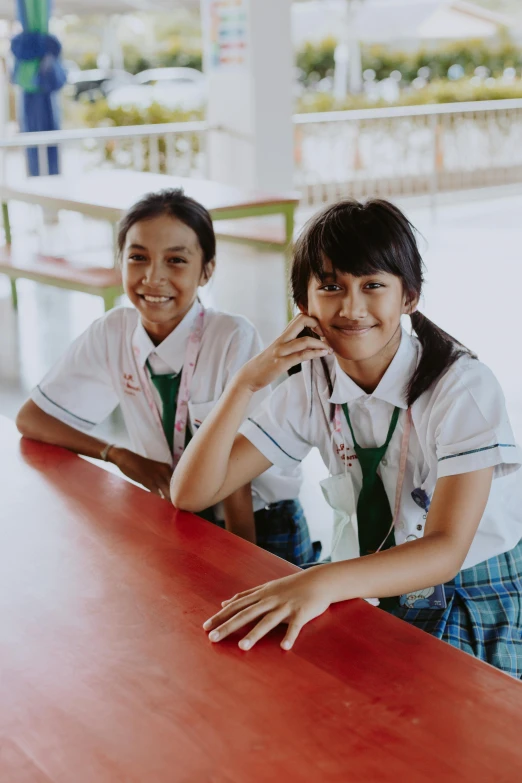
(153, 475)
(293, 600)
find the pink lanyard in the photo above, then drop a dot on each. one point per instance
(189, 364)
(402, 464)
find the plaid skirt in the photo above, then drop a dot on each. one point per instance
(282, 529)
(484, 612)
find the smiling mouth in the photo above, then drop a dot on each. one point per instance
(155, 299)
(353, 330)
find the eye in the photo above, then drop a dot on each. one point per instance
(176, 260)
(137, 257)
(374, 286)
(330, 287)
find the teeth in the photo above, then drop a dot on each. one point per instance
(156, 299)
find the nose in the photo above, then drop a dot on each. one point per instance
(154, 273)
(353, 306)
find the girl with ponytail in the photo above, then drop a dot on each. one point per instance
(423, 464)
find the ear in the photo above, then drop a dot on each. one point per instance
(207, 272)
(410, 304)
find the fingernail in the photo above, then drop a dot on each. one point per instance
(214, 636)
(245, 644)
(207, 624)
(286, 645)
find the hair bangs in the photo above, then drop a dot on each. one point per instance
(360, 239)
(358, 244)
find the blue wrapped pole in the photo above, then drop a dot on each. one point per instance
(39, 73)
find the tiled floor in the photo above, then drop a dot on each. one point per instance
(474, 283)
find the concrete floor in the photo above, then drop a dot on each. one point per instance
(473, 255)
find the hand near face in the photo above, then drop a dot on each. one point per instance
(284, 353)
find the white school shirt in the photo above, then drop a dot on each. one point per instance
(99, 371)
(460, 425)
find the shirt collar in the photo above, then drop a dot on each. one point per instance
(172, 349)
(392, 387)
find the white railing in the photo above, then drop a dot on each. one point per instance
(169, 148)
(408, 150)
(384, 152)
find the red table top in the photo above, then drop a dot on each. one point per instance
(106, 674)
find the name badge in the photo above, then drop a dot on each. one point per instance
(429, 598)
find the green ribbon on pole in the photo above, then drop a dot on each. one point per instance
(37, 15)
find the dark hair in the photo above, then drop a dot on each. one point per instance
(361, 239)
(173, 203)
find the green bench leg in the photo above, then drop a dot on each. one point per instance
(109, 298)
(14, 294)
(7, 222)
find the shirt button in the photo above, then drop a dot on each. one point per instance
(419, 527)
(384, 462)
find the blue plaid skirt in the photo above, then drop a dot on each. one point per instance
(484, 612)
(282, 529)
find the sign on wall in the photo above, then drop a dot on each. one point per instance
(228, 27)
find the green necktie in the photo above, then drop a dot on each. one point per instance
(167, 387)
(374, 515)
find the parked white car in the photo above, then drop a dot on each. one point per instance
(173, 88)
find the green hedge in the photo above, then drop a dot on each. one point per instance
(319, 59)
(439, 91)
(170, 57)
(100, 115)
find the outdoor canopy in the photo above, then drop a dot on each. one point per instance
(87, 7)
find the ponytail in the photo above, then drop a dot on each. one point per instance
(439, 352)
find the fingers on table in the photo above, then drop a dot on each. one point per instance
(264, 626)
(294, 629)
(229, 611)
(164, 486)
(243, 594)
(233, 619)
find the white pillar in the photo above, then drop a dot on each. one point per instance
(111, 55)
(249, 62)
(342, 70)
(356, 77)
(348, 57)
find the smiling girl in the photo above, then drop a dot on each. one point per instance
(166, 362)
(414, 429)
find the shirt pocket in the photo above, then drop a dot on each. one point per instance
(198, 412)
